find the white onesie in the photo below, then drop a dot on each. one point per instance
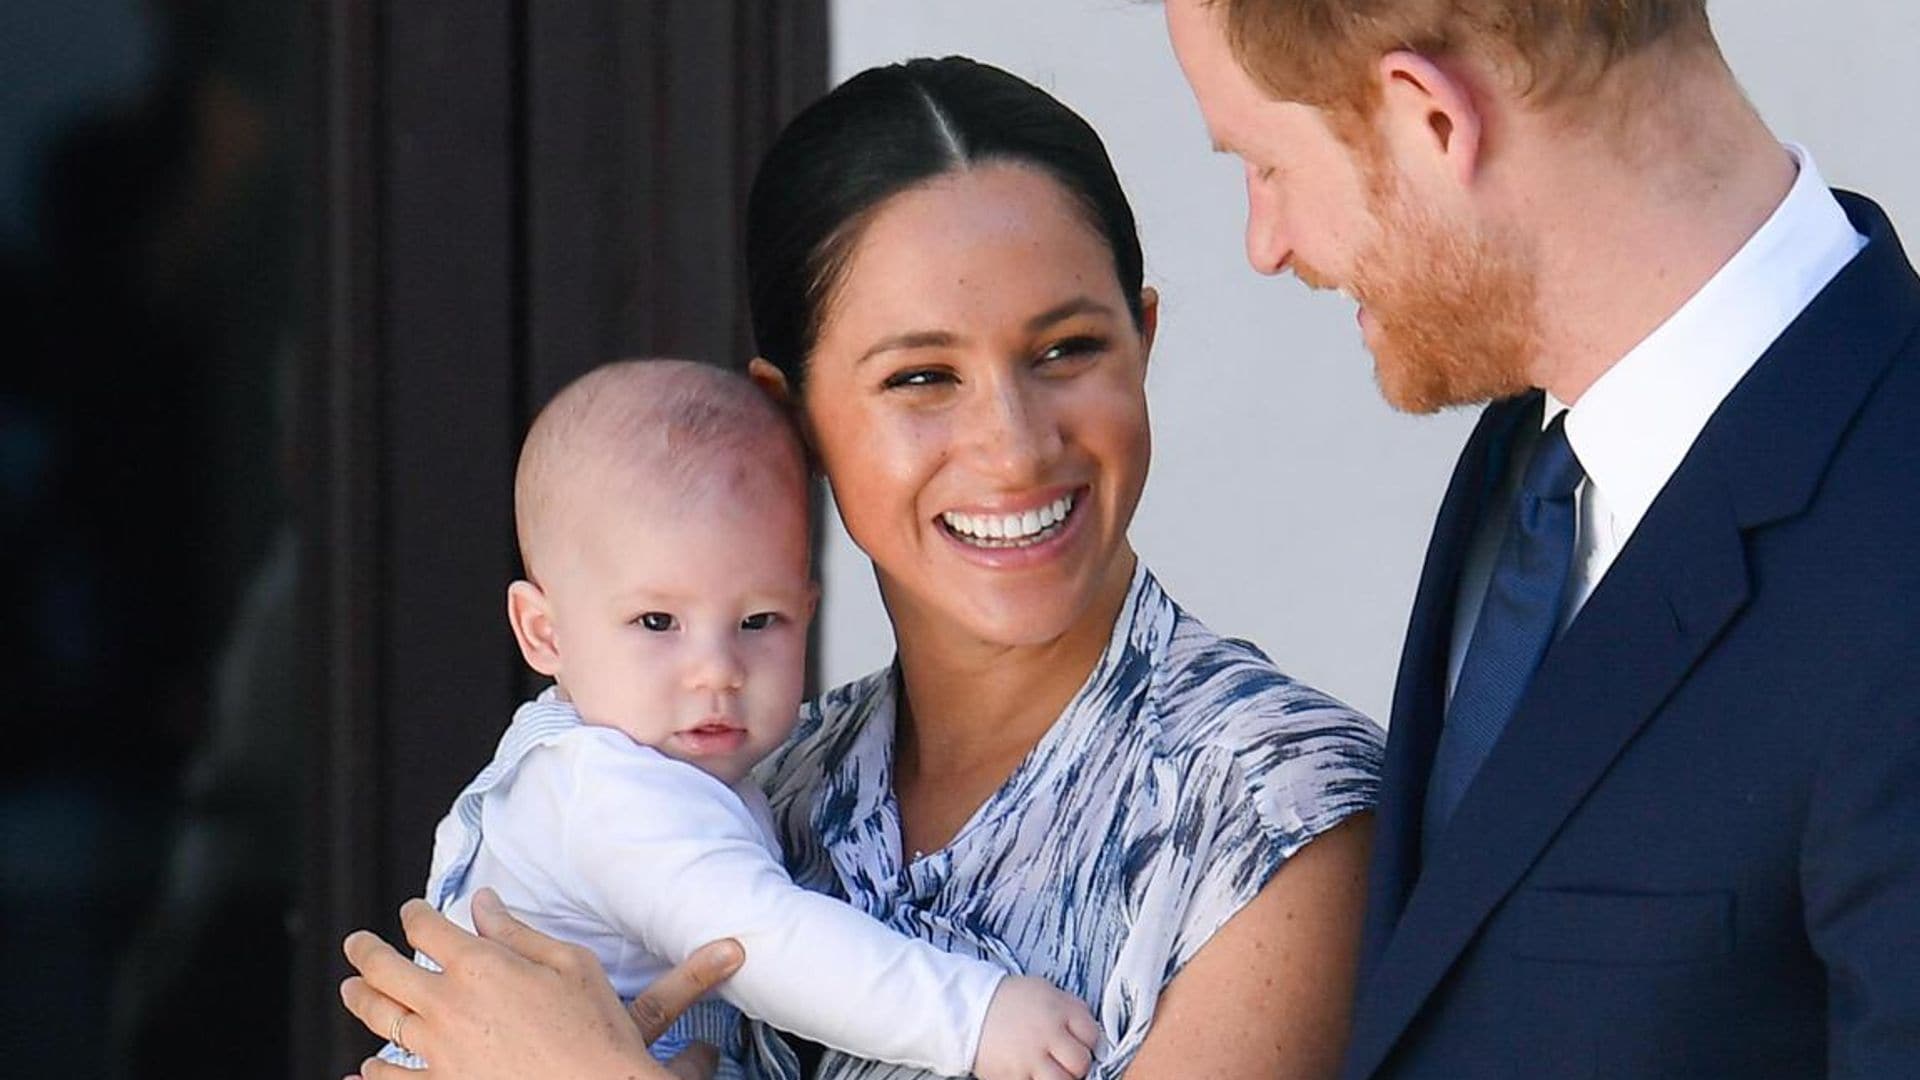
(598, 840)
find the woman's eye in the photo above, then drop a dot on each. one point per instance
(917, 377)
(657, 621)
(1071, 348)
(760, 620)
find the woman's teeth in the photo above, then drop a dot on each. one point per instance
(1010, 530)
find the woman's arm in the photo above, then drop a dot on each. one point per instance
(515, 1003)
(1270, 994)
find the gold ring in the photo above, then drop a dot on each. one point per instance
(399, 1026)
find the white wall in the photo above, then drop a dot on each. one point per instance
(1287, 504)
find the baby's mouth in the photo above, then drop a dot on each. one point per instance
(712, 737)
(1024, 529)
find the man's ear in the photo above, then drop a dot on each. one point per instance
(770, 379)
(532, 621)
(1429, 117)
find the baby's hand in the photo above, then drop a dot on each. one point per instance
(1035, 1032)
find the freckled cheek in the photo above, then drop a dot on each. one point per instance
(1111, 415)
(880, 478)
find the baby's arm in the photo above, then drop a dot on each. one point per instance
(674, 861)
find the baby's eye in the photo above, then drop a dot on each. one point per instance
(760, 620)
(657, 621)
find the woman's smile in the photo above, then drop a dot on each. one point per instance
(1026, 524)
(978, 399)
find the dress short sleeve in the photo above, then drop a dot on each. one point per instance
(1275, 784)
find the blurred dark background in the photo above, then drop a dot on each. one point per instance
(280, 285)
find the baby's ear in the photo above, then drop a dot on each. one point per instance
(770, 379)
(532, 622)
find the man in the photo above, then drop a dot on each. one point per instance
(1653, 787)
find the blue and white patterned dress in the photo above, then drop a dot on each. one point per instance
(1180, 777)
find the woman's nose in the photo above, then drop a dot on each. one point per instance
(1269, 247)
(1014, 432)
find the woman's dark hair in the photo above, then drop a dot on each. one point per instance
(884, 131)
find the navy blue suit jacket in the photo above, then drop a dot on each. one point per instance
(1695, 851)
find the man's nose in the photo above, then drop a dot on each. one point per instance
(1269, 248)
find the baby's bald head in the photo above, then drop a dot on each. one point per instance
(660, 431)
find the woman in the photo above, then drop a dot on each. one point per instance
(1062, 771)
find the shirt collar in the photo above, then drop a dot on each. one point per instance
(1635, 424)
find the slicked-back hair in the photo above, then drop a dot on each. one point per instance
(881, 132)
(1322, 52)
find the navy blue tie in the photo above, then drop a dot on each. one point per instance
(1517, 623)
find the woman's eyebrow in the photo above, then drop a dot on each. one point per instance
(914, 339)
(1079, 305)
(940, 339)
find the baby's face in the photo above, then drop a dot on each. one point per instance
(684, 623)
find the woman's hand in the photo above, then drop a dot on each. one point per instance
(514, 1003)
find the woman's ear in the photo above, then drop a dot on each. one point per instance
(773, 382)
(1149, 319)
(1430, 116)
(532, 621)
(770, 379)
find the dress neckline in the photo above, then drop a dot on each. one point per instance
(1138, 635)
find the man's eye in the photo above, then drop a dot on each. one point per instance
(657, 621)
(760, 620)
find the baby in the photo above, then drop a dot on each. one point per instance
(662, 516)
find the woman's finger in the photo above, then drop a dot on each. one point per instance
(371, 1007)
(662, 1002)
(698, 1061)
(447, 942)
(495, 923)
(385, 970)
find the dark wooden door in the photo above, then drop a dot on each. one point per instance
(511, 192)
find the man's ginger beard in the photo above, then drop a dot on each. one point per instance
(1452, 305)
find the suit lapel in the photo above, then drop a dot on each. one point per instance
(1419, 687)
(1681, 579)
(1653, 616)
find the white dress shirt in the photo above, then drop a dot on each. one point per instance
(1635, 424)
